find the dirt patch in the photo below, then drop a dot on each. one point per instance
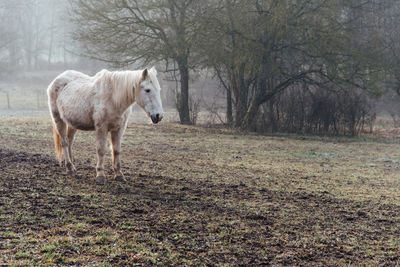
(153, 219)
(198, 196)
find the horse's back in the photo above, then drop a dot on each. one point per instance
(70, 97)
(64, 79)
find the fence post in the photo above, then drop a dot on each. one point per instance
(8, 100)
(37, 100)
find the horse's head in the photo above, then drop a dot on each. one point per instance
(148, 95)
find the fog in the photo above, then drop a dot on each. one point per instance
(240, 62)
(35, 46)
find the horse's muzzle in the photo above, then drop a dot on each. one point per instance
(156, 118)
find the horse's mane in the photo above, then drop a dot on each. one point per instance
(123, 83)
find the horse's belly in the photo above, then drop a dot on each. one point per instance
(80, 121)
(76, 112)
(79, 124)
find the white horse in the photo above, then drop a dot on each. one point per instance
(102, 104)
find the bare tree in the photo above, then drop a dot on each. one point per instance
(274, 45)
(31, 32)
(126, 32)
(9, 53)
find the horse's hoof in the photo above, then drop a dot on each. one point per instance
(101, 180)
(120, 178)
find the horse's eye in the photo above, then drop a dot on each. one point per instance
(147, 90)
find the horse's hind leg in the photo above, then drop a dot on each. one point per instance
(116, 148)
(62, 132)
(71, 134)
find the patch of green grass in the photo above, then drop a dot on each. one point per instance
(9, 235)
(23, 255)
(79, 227)
(367, 138)
(127, 226)
(48, 248)
(200, 196)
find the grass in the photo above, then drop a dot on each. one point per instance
(199, 196)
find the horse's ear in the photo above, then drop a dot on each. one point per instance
(145, 74)
(153, 70)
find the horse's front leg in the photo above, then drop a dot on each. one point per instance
(116, 137)
(101, 138)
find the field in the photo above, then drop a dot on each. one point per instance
(200, 196)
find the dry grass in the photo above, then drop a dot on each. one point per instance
(200, 196)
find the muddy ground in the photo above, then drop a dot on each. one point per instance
(198, 196)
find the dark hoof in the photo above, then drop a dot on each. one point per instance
(101, 180)
(120, 178)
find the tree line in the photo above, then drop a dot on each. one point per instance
(287, 64)
(34, 35)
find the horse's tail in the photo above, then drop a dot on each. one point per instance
(57, 144)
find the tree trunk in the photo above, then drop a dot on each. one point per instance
(29, 58)
(240, 92)
(260, 97)
(50, 54)
(249, 118)
(255, 103)
(229, 116)
(240, 109)
(272, 118)
(13, 56)
(183, 105)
